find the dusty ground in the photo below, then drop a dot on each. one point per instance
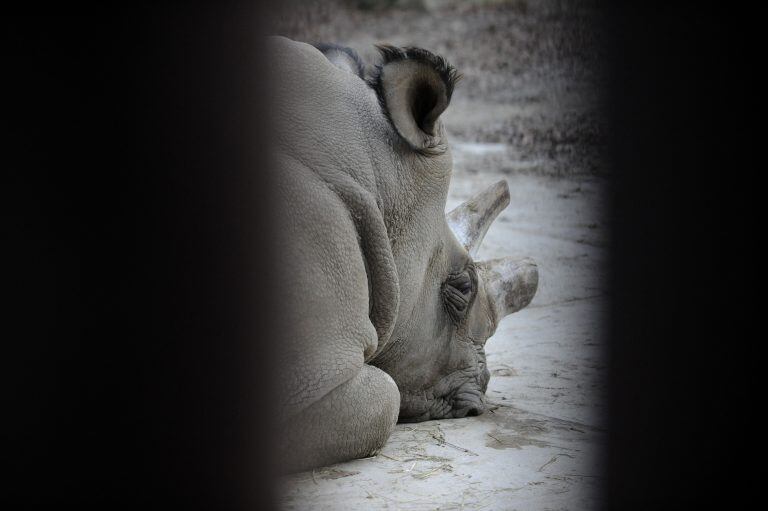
(526, 111)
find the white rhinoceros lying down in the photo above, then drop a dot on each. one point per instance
(388, 312)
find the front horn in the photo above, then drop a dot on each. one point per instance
(510, 283)
(470, 221)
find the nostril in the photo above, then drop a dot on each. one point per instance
(474, 412)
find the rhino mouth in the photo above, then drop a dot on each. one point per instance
(468, 403)
(459, 394)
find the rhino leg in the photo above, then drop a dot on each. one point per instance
(354, 420)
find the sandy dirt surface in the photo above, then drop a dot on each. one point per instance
(526, 111)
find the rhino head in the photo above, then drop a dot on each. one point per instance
(375, 134)
(437, 357)
(450, 303)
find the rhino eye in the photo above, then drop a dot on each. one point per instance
(457, 294)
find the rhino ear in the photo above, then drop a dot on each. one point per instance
(414, 87)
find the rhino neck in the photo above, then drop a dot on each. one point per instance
(350, 175)
(411, 189)
(376, 249)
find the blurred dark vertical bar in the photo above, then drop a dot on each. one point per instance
(137, 346)
(683, 107)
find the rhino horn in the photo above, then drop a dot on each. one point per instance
(510, 283)
(471, 220)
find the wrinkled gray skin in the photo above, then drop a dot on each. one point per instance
(387, 311)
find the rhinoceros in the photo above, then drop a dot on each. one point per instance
(387, 312)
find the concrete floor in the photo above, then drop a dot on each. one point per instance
(538, 447)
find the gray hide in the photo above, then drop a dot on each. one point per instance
(386, 311)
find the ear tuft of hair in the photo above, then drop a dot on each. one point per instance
(343, 57)
(414, 87)
(449, 74)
